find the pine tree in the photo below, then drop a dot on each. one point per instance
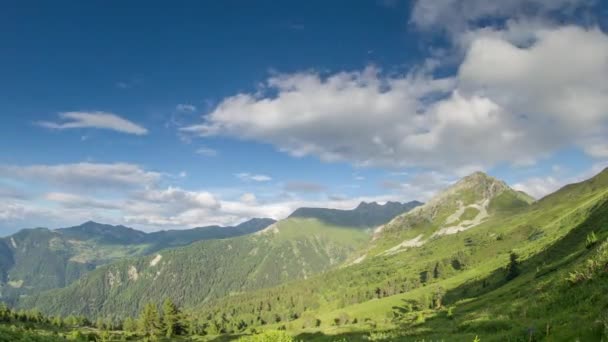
(129, 325)
(149, 321)
(5, 312)
(170, 318)
(513, 267)
(100, 324)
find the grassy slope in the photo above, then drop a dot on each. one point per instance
(550, 238)
(540, 299)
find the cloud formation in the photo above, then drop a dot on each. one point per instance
(454, 16)
(511, 84)
(100, 120)
(84, 175)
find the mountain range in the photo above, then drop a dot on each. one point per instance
(294, 248)
(478, 260)
(39, 259)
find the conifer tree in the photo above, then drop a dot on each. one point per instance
(149, 321)
(170, 318)
(513, 267)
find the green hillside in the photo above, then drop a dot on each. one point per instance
(290, 249)
(295, 248)
(34, 260)
(456, 286)
(522, 272)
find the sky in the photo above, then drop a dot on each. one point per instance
(162, 115)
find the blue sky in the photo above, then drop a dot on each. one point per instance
(160, 116)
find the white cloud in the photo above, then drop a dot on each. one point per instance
(186, 108)
(248, 177)
(539, 187)
(597, 149)
(248, 198)
(207, 152)
(358, 116)
(78, 201)
(458, 15)
(101, 120)
(507, 103)
(83, 175)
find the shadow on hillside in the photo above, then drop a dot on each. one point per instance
(560, 254)
(316, 336)
(320, 337)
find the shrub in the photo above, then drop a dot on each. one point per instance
(268, 336)
(450, 313)
(380, 336)
(591, 240)
(596, 264)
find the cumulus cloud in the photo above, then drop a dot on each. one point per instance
(495, 109)
(101, 120)
(248, 177)
(357, 116)
(84, 175)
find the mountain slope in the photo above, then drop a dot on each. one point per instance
(462, 206)
(34, 260)
(291, 249)
(406, 295)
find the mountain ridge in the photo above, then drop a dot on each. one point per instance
(290, 249)
(365, 215)
(37, 259)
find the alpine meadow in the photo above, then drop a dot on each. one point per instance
(330, 171)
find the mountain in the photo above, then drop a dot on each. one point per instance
(466, 204)
(520, 273)
(295, 248)
(33, 260)
(365, 215)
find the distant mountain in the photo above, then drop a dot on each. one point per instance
(365, 215)
(309, 242)
(33, 260)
